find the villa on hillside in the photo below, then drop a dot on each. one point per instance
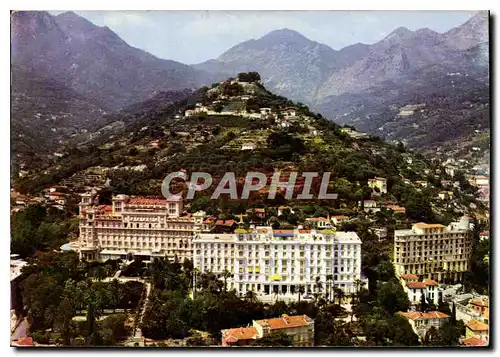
(378, 182)
(300, 328)
(421, 322)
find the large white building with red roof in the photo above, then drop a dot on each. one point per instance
(135, 228)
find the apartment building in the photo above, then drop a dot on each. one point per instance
(300, 328)
(135, 228)
(434, 251)
(277, 262)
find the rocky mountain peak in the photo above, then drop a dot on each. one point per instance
(399, 33)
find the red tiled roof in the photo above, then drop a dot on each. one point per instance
(409, 277)
(147, 201)
(476, 325)
(430, 282)
(416, 285)
(396, 208)
(480, 302)
(285, 321)
(228, 223)
(473, 342)
(283, 231)
(304, 231)
(240, 333)
(317, 219)
(423, 225)
(423, 315)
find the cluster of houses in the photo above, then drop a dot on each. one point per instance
(472, 309)
(57, 196)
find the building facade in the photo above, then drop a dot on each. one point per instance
(277, 262)
(135, 228)
(421, 322)
(476, 328)
(434, 251)
(415, 289)
(378, 182)
(299, 328)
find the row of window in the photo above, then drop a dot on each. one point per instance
(141, 244)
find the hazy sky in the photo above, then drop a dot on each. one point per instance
(196, 36)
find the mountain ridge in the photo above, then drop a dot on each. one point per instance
(94, 60)
(345, 70)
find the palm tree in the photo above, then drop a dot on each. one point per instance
(318, 285)
(359, 284)
(329, 280)
(301, 290)
(225, 275)
(338, 294)
(115, 294)
(196, 279)
(250, 296)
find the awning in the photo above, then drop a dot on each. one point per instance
(276, 277)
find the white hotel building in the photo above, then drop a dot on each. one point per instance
(135, 227)
(269, 261)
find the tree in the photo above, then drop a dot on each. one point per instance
(274, 339)
(392, 298)
(424, 306)
(401, 333)
(329, 331)
(318, 285)
(443, 306)
(301, 291)
(225, 275)
(447, 335)
(329, 281)
(250, 296)
(114, 329)
(217, 107)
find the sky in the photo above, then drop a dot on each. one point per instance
(196, 36)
